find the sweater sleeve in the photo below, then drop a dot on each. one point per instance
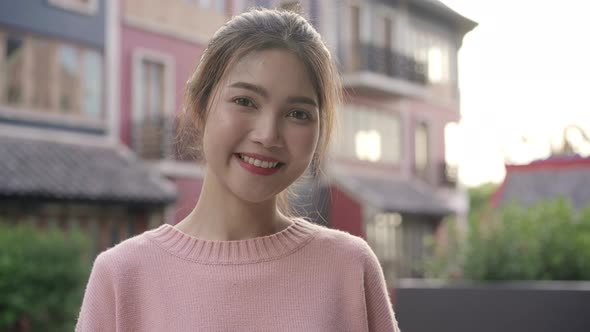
(98, 311)
(380, 313)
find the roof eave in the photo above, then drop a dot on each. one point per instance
(438, 9)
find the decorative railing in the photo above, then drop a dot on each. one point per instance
(152, 137)
(155, 138)
(366, 56)
(447, 175)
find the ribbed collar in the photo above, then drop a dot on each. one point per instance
(246, 251)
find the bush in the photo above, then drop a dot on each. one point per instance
(42, 278)
(548, 241)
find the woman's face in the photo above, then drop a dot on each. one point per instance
(262, 127)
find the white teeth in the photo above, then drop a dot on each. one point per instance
(258, 163)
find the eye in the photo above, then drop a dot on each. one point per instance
(243, 101)
(299, 115)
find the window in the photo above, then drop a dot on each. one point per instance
(43, 57)
(421, 158)
(152, 87)
(368, 145)
(435, 65)
(384, 33)
(153, 102)
(14, 60)
(384, 234)
(369, 135)
(69, 79)
(44, 75)
(292, 6)
(355, 38)
(434, 50)
(218, 5)
(88, 7)
(92, 97)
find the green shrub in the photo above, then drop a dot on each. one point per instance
(42, 278)
(547, 241)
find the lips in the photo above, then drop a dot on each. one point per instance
(258, 164)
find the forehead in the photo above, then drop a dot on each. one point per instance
(279, 71)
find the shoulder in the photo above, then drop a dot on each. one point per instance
(127, 255)
(346, 244)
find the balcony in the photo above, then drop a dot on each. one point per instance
(447, 175)
(154, 139)
(378, 70)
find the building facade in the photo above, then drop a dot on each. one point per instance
(386, 178)
(389, 180)
(159, 45)
(59, 163)
(111, 75)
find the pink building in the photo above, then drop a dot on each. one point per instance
(61, 164)
(388, 179)
(160, 44)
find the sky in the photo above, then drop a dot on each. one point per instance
(524, 75)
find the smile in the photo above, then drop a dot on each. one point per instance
(258, 162)
(256, 165)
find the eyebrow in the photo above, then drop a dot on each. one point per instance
(262, 92)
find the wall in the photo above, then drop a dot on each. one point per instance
(345, 213)
(180, 17)
(184, 55)
(507, 307)
(41, 17)
(189, 190)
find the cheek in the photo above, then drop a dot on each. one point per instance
(219, 124)
(303, 142)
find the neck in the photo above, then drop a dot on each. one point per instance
(220, 215)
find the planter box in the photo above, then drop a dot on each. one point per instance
(539, 306)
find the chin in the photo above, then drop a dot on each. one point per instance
(254, 196)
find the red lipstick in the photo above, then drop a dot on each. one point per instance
(255, 169)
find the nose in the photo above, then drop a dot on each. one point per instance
(267, 131)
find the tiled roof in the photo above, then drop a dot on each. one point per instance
(394, 194)
(443, 11)
(51, 170)
(548, 179)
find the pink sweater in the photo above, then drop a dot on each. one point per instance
(304, 278)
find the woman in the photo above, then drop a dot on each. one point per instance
(261, 103)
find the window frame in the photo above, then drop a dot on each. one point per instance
(90, 8)
(26, 86)
(424, 172)
(27, 111)
(304, 5)
(358, 117)
(139, 56)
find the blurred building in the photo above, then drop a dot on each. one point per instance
(91, 90)
(566, 177)
(387, 179)
(59, 162)
(159, 44)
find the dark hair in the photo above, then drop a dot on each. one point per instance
(256, 30)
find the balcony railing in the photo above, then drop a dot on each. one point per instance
(152, 137)
(365, 56)
(155, 139)
(447, 175)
